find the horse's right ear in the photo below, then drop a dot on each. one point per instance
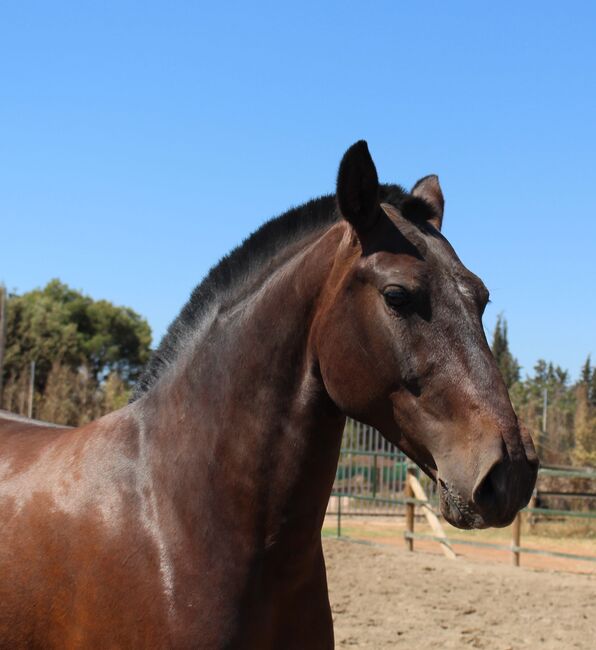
(358, 188)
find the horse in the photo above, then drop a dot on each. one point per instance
(192, 517)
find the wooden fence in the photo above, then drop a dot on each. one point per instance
(515, 547)
(374, 478)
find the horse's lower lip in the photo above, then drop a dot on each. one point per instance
(462, 515)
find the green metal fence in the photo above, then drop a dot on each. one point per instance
(372, 473)
(370, 481)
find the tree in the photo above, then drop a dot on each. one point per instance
(59, 324)
(115, 393)
(507, 363)
(87, 353)
(584, 452)
(528, 396)
(586, 372)
(588, 378)
(70, 397)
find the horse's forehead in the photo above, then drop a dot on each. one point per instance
(439, 264)
(435, 250)
(441, 253)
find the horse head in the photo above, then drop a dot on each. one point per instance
(401, 346)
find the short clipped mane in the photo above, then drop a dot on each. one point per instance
(232, 271)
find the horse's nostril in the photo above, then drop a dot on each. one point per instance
(484, 493)
(503, 490)
(489, 490)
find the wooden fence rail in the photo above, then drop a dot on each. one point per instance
(376, 474)
(415, 496)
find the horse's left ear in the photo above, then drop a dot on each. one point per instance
(358, 188)
(428, 188)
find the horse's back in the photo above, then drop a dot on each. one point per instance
(12, 423)
(22, 442)
(66, 463)
(74, 548)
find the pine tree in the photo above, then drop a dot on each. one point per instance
(586, 376)
(507, 363)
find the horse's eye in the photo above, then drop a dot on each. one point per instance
(396, 296)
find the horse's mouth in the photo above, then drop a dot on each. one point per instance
(456, 510)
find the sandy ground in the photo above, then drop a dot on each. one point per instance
(385, 597)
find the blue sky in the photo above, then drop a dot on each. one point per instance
(140, 141)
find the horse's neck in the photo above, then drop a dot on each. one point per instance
(244, 425)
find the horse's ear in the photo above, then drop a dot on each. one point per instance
(358, 188)
(428, 188)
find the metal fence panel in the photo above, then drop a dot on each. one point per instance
(370, 478)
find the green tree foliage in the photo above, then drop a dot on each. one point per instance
(570, 432)
(87, 353)
(588, 377)
(70, 397)
(507, 363)
(586, 374)
(584, 452)
(556, 441)
(57, 323)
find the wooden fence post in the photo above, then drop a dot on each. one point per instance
(431, 517)
(516, 537)
(409, 510)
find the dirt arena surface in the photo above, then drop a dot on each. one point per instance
(385, 597)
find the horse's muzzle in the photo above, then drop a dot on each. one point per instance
(498, 494)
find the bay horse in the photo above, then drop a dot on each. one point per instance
(191, 518)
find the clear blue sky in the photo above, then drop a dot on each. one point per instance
(140, 141)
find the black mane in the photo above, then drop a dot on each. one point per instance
(234, 268)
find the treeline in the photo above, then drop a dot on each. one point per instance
(85, 355)
(68, 358)
(560, 414)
